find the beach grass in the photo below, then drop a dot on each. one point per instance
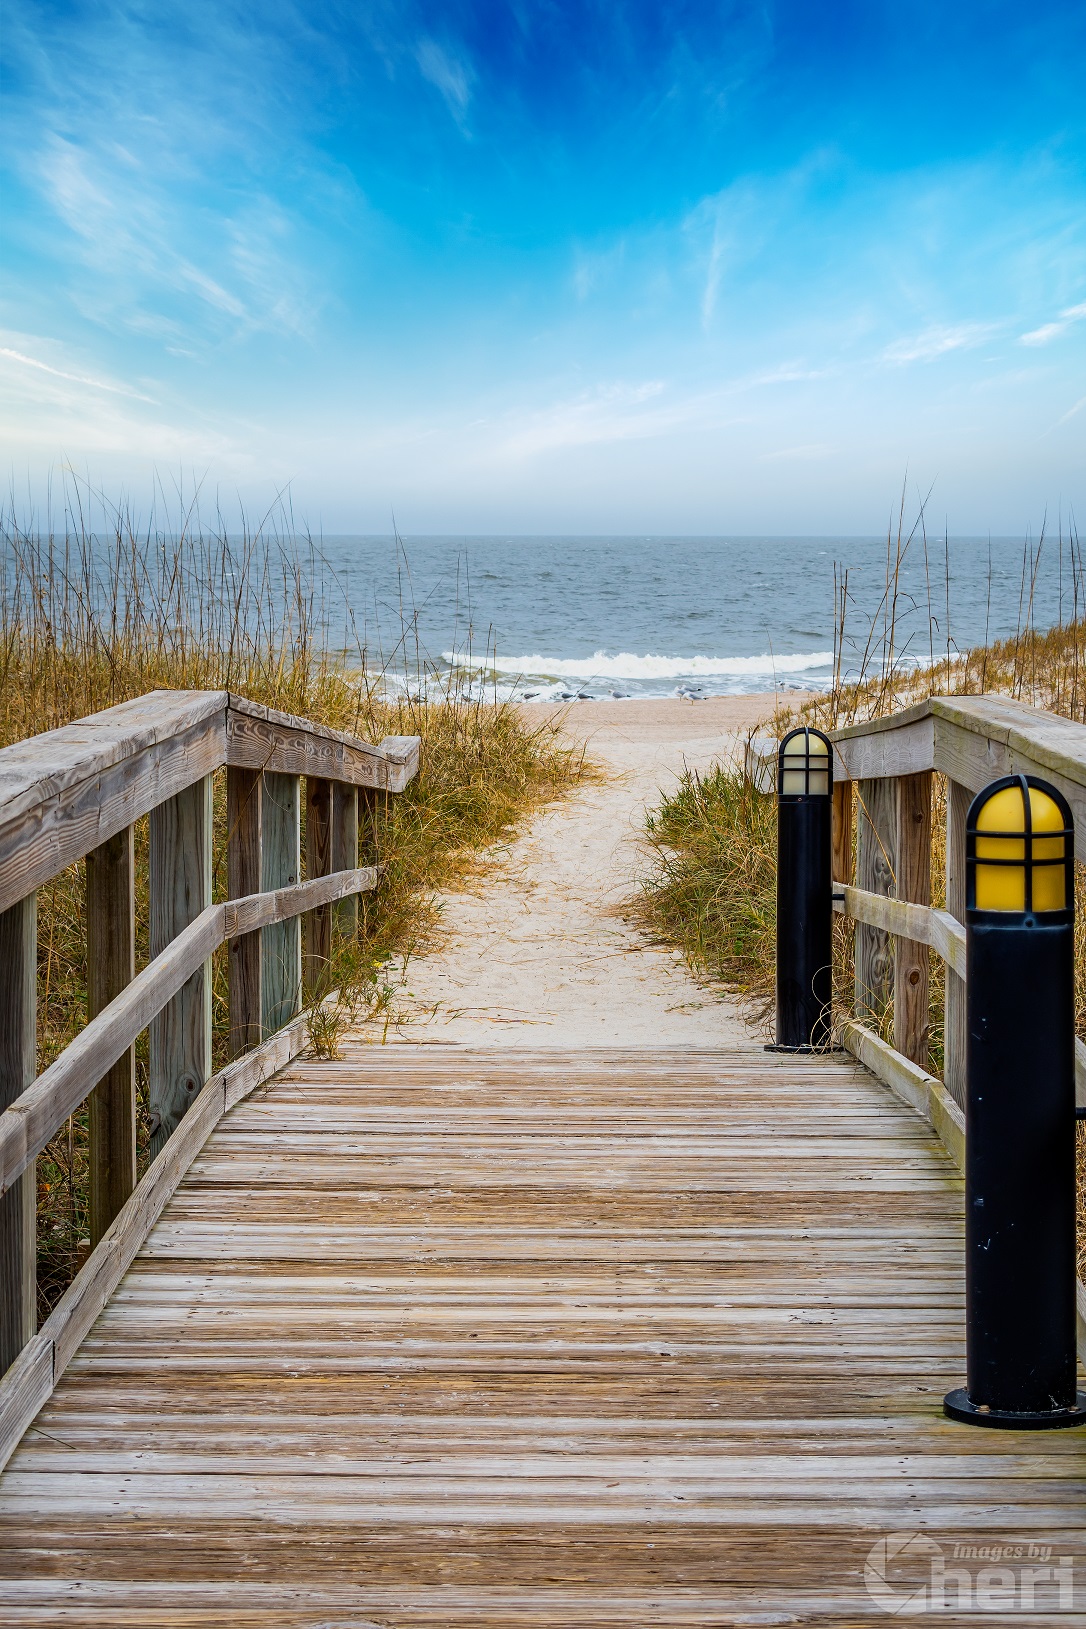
(93, 617)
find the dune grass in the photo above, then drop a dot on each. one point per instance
(90, 619)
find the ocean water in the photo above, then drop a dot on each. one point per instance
(540, 618)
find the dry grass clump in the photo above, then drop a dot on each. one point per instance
(712, 891)
(90, 619)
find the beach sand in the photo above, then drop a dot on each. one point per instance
(536, 953)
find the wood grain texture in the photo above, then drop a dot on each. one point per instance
(258, 738)
(912, 846)
(934, 928)
(841, 863)
(280, 867)
(876, 873)
(958, 799)
(111, 967)
(535, 1384)
(317, 925)
(401, 753)
(68, 791)
(18, 1055)
(243, 804)
(180, 890)
(345, 850)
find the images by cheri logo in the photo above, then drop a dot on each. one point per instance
(909, 1573)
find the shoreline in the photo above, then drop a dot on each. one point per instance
(663, 717)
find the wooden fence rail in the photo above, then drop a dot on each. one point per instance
(76, 793)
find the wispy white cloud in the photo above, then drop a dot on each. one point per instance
(1052, 330)
(446, 73)
(937, 341)
(73, 378)
(1071, 412)
(612, 412)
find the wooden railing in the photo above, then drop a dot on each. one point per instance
(883, 791)
(75, 793)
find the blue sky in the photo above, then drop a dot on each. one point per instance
(551, 267)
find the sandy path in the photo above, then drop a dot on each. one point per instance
(536, 954)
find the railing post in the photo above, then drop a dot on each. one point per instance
(280, 866)
(180, 890)
(958, 799)
(345, 850)
(243, 803)
(18, 1067)
(876, 868)
(111, 965)
(841, 867)
(912, 1019)
(318, 863)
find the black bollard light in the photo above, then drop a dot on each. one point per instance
(804, 891)
(1020, 1111)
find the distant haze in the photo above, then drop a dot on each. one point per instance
(723, 268)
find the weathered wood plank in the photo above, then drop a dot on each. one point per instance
(280, 867)
(958, 799)
(912, 846)
(842, 831)
(345, 850)
(18, 1054)
(876, 868)
(243, 817)
(401, 753)
(246, 916)
(935, 928)
(318, 863)
(68, 791)
(887, 748)
(24, 1387)
(111, 967)
(259, 738)
(180, 888)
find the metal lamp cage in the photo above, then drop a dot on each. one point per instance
(801, 763)
(1027, 838)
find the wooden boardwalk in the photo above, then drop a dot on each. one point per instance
(431, 1336)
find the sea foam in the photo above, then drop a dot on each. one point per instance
(625, 665)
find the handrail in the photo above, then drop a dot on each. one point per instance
(76, 792)
(68, 791)
(971, 739)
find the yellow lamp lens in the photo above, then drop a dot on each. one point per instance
(1003, 887)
